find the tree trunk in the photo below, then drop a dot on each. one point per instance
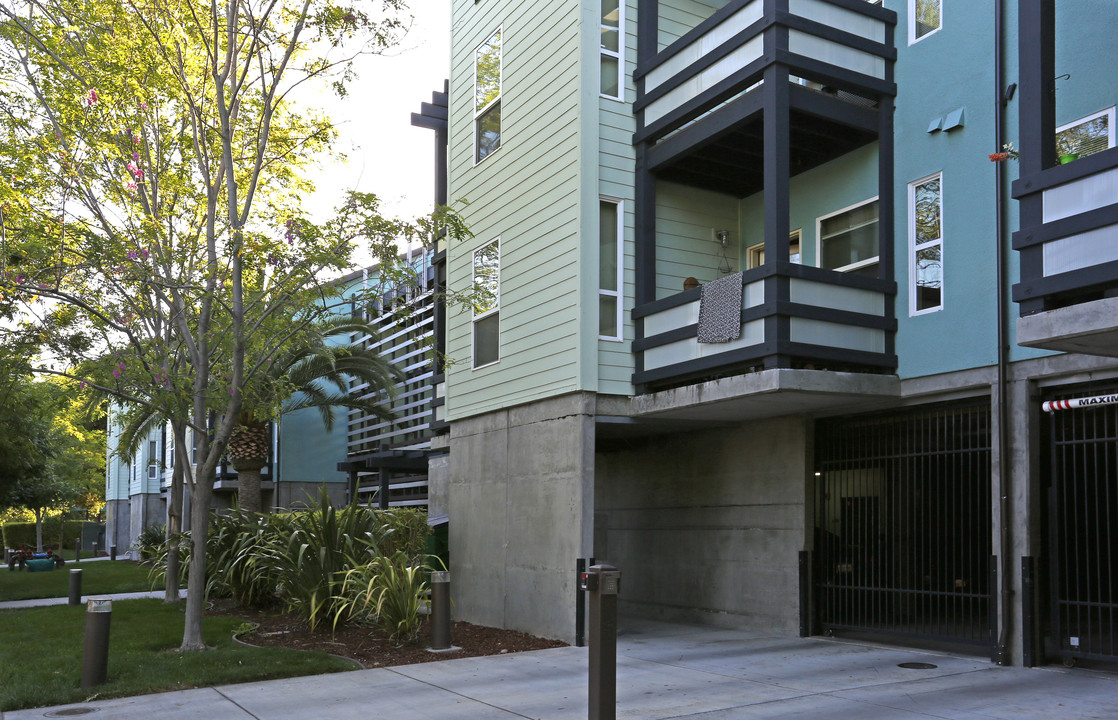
(38, 529)
(248, 451)
(196, 580)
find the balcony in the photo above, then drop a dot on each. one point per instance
(1068, 241)
(702, 100)
(829, 321)
(757, 93)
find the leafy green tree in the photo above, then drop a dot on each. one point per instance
(151, 209)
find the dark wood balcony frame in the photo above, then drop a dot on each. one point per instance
(1039, 172)
(774, 102)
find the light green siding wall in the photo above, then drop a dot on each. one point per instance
(686, 219)
(528, 194)
(616, 162)
(679, 16)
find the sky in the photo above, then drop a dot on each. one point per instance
(387, 156)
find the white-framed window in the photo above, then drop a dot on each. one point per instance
(924, 18)
(487, 97)
(925, 233)
(487, 303)
(613, 49)
(611, 234)
(1086, 136)
(755, 254)
(848, 239)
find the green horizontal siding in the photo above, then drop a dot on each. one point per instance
(527, 193)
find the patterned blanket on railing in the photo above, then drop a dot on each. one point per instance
(720, 310)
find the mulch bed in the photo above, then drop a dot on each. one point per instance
(369, 646)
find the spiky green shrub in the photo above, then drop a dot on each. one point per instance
(322, 544)
(150, 541)
(406, 530)
(237, 563)
(388, 592)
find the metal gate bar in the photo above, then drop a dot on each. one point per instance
(903, 531)
(1083, 502)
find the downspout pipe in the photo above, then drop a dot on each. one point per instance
(1005, 469)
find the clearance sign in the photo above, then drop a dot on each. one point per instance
(1055, 405)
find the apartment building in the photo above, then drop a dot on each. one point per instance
(764, 325)
(362, 459)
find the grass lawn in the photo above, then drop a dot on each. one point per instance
(41, 655)
(98, 578)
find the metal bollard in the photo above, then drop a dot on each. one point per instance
(603, 583)
(77, 550)
(75, 587)
(95, 660)
(94, 550)
(440, 610)
(112, 552)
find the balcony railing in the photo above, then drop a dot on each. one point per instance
(831, 320)
(842, 44)
(1069, 244)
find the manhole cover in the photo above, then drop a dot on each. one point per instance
(917, 666)
(70, 712)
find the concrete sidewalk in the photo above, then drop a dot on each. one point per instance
(41, 602)
(664, 671)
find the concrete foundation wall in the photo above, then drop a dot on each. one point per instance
(707, 526)
(146, 509)
(118, 524)
(521, 504)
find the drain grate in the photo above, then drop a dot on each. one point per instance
(70, 712)
(917, 666)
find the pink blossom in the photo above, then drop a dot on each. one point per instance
(135, 156)
(92, 98)
(132, 186)
(136, 139)
(143, 106)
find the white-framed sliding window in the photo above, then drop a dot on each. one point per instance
(612, 51)
(847, 240)
(1086, 136)
(924, 18)
(487, 97)
(487, 304)
(925, 245)
(611, 254)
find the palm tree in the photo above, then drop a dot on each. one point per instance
(310, 374)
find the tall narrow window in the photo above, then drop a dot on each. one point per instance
(924, 18)
(1087, 136)
(926, 232)
(487, 303)
(613, 49)
(487, 97)
(610, 235)
(848, 240)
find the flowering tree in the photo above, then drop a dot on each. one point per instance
(149, 208)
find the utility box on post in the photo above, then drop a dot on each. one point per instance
(603, 582)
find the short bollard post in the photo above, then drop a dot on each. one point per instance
(75, 587)
(95, 660)
(94, 550)
(440, 610)
(78, 550)
(603, 582)
(112, 552)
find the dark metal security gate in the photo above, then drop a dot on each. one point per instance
(903, 533)
(1083, 531)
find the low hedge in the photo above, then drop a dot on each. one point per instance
(56, 532)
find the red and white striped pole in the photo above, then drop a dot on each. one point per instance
(1054, 405)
